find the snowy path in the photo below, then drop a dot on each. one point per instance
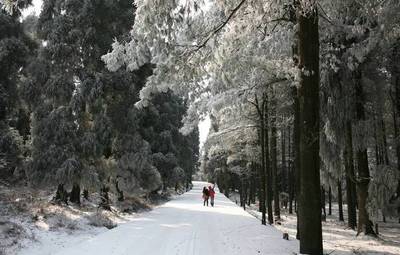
(184, 227)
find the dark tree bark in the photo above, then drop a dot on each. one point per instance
(284, 169)
(296, 155)
(86, 194)
(61, 195)
(340, 200)
(244, 194)
(395, 72)
(377, 148)
(259, 190)
(268, 171)
(293, 17)
(396, 126)
(262, 170)
(263, 173)
(381, 147)
(397, 143)
(329, 201)
(384, 145)
(104, 198)
(120, 192)
(267, 164)
(364, 223)
(291, 174)
(250, 195)
(323, 204)
(350, 178)
(274, 154)
(310, 194)
(381, 153)
(252, 188)
(75, 196)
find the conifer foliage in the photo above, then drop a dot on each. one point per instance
(71, 124)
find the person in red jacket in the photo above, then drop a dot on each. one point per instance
(212, 194)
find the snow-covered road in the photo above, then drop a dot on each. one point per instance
(184, 226)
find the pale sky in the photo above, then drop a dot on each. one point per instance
(35, 8)
(204, 128)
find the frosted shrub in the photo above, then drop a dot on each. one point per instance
(99, 219)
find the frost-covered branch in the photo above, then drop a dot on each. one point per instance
(218, 28)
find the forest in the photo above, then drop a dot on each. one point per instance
(68, 122)
(103, 99)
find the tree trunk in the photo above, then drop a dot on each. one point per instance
(86, 194)
(284, 170)
(323, 203)
(250, 195)
(254, 187)
(310, 194)
(385, 145)
(104, 198)
(262, 193)
(364, 223)
(396, 125)
(241, 193)
(291, 192)
(267, 164)
(61, 195)
(340, 200)
(75, 196)
(120, 192)
(395, 72)
(296, 155)
(350, 178)
(274, 154)
(397, 140)
(377, 150)
(244, 192)
(293, 14)
(329, 201)
(290, 177)
(259, 187)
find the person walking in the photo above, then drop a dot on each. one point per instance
(206, 195)
(212, 194)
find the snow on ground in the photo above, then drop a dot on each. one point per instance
(65, 227)
(184, 226)
(49, 242)
(31, 225)
(338, 239)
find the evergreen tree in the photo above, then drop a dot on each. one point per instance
(15, 50)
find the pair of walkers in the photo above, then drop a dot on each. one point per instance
(208, 193)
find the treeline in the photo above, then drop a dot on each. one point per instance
(68, 123)
(330, 134)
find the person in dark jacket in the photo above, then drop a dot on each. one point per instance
(206, 195)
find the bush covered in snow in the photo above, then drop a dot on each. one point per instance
(100, 219)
